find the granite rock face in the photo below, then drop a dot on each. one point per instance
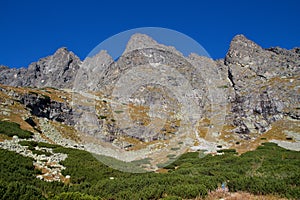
(254, 86)
(265, 82)
(43, 106)
(92, 71)
(57, 71)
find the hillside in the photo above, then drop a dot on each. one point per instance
(195, 121)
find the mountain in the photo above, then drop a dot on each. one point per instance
(56, 71)
(152, 109)
(265, 83)
(250, 96)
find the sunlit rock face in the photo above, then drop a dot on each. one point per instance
(266, 84)
(152, 93)
(57, 70)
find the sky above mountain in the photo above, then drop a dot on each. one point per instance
(34, 29)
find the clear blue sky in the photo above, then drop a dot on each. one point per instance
(30, 30)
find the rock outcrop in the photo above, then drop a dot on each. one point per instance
(46, 160)
(266, 84)
(58, 70)
(43, 106)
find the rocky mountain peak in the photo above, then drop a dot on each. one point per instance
(97, 61)
(62, 50)
(262, 84)
(248, 57)
(242, 39)
(240, 49)
(57, 70)
(141, 41)
(91, 70)
(264, 81)
(63, 53)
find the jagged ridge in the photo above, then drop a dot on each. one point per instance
(261, 84)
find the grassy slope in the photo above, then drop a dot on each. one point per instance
(267, 170)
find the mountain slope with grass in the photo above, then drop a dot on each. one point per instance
(54, 139)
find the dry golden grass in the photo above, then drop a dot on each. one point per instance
(139, 113)
(17, 111)
(162, 170)
(54, 94)
(137, 144)
(4, 137)
(66, 131)
(276, 132)
(203, 127)
(220, 194)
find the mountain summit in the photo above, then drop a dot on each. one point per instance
(252, 91)
(57, 70)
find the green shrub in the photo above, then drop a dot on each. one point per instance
(38, 152)
(269, 169)
(227, 151)
(47, 145)
(171, 198)
(11, 128)
(28, 143)
(73, 196)
(187, 191)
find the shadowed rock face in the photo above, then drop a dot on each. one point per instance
(43, 106)
(261, 85)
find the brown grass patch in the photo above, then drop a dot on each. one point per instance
(220, 194)
(276, 132)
